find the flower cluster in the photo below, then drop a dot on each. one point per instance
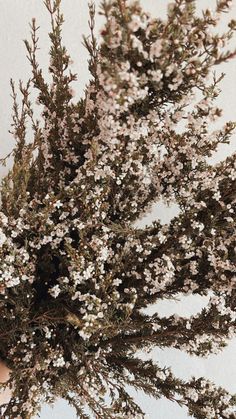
(76, 273)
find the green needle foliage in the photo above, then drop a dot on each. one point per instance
(76, 272)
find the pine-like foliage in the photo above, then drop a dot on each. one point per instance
(76, 271)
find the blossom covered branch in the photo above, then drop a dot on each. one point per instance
(76, 273)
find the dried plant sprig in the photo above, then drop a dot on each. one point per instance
(76, 271)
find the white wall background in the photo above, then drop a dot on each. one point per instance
(14, 18)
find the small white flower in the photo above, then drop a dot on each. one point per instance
(48, 333)
(139, 248)
(161, 375)
(3, 218)
(117, 282)
(55, 291)
(58, 204)
(192, 394)
(161, 237)
(135, 23)
(3, 238)
(157, 75)
(84, 335)
(156, 327)
(59, 362)
(23, 338)
(217, 196)
(104, 253)
(156, 48)
(188, 325)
